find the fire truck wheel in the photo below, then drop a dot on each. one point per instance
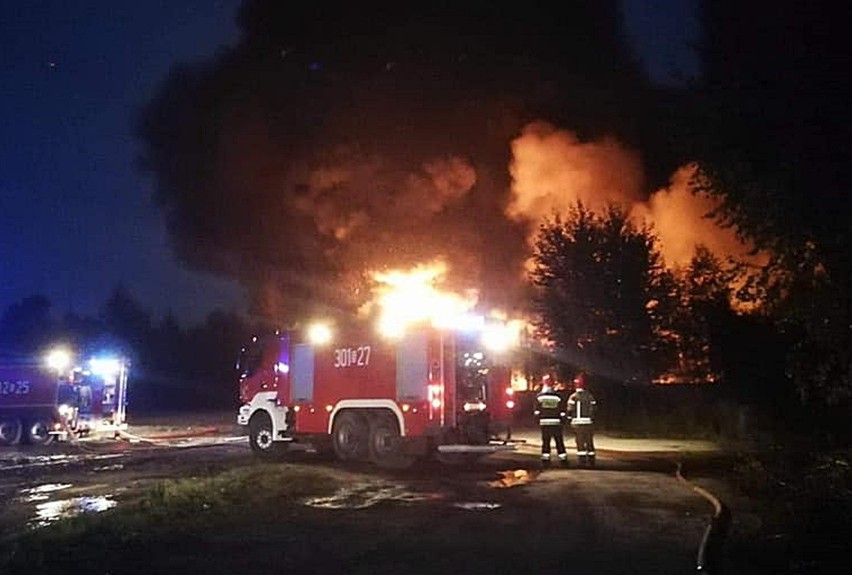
(10, 431)
(261, 436)
(386, 444)
(349, 436)
(38, 432)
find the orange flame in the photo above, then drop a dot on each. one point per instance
(409, 297)
(406, 298)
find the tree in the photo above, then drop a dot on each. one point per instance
(603, 296)
(211, 354)
(127, 320)
(772, 145)
(703, 316)
(168, 346)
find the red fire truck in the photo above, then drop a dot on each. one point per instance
(52, 398)
(368, 397)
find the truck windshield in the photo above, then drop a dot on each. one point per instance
(250, 359)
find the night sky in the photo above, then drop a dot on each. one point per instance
(76, 214)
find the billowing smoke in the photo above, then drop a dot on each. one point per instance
(338, 139)
(353, 196)
(551, 170)
(681, 222)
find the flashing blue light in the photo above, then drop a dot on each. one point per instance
(105, 367)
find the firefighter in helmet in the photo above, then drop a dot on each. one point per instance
(581, 413)
(550, 413)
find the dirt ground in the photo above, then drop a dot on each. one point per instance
(630, 514)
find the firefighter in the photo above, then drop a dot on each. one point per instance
(550, 413)
(581, 413)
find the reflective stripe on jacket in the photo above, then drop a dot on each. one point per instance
(549, 408)
(581, 407)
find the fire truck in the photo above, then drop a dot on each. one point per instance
(55, 399)
(363, 396)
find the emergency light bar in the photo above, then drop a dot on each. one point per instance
(105, 367)
(61, 359)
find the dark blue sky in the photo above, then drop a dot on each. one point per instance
(76, 216)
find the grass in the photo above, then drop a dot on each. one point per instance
(186, 511)
(806, 503)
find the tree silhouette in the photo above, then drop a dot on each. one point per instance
(772, 144)
(603, 295)
(127, 321)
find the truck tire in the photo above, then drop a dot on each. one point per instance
(11, 430)
(386, 444)
(261, 437)
(350, 437)
(38, 432)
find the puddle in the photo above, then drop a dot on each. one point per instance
(20, 462)
(367, 495)
(115, 467)
(41, 492)
(477, 505)
(108, 456)
(51, 511)
(513, 477)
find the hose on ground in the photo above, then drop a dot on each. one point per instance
(710, 549)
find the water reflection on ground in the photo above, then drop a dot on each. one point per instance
(49, 510)
(369, 494)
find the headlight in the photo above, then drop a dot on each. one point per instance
(59, 359)
(65, 410)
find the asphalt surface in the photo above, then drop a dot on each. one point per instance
(644, 513)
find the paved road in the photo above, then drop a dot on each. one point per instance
(628, 515)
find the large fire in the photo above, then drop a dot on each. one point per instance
(414, 296)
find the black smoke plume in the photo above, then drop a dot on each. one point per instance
(334, 138)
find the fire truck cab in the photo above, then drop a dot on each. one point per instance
(373, 398)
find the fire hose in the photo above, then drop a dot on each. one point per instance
(163, 439)
(710, 550)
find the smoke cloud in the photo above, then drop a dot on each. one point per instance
(680, 220)
(551, 170)
(335, 140)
